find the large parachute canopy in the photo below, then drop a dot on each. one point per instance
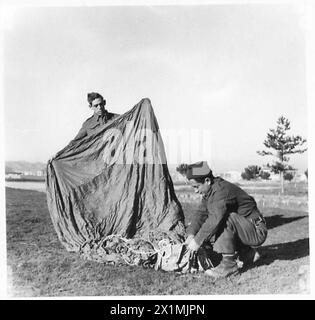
(114, 182)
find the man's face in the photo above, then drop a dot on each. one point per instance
(98, 106)
(201, 188)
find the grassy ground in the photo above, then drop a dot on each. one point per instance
(38, 265)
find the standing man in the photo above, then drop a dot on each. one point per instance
(100, 115)
(228, 218)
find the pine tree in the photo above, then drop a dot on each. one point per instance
(282, 145)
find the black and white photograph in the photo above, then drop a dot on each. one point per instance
(156, 149)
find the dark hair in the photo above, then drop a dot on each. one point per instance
(203, 179)
(92, 96)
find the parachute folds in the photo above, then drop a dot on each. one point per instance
(114, 182)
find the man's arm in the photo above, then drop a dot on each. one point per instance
(218, 211)
(199, 217)
(82, 133)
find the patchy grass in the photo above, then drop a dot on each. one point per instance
(38, 265)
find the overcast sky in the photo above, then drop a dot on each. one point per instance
(228, 71)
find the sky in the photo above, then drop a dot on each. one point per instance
(222, 72)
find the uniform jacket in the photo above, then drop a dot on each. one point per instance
(223, 198)
(93, 123)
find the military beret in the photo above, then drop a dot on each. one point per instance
(198, 170)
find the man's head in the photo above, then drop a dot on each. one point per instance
(199, 175)
(97, 102)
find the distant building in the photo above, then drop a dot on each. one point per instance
(231, 176)
(40, 173)
(25, 176)
(299, 177)
(27, 173)
(13, 175)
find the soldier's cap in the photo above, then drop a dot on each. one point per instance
(198, 170)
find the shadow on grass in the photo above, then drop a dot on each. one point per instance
(284, 251)
(279, 220)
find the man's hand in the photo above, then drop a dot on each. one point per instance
(189, 238)
(51, 158)
(193, 245)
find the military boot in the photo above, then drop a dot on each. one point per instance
(227, 267)
(248, 256)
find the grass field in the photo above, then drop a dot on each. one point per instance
(38, 265)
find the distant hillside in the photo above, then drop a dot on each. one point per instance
(21, 166)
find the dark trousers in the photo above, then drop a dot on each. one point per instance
(237, 232)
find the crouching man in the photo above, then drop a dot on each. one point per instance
(228, 218)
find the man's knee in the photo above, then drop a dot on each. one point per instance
(230, 223)
(244, 230)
